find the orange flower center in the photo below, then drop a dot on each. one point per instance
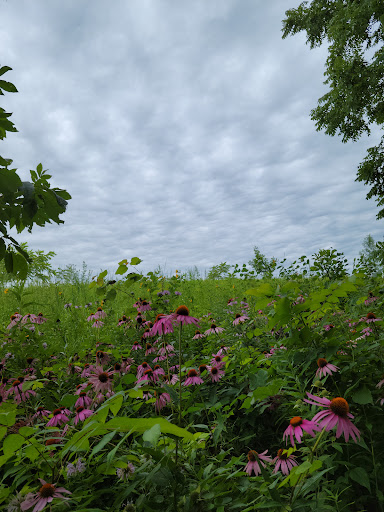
(296, 421)
(322, 362)
(103, 377)
(252, 455)
(214, 370)
(47, 491)
(192, 373)
(281, 455)
(182, 310)
(371, 315)
(340, 407)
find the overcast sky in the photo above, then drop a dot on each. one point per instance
(181, 129)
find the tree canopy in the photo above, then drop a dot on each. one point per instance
(354, 73)
(23, 203)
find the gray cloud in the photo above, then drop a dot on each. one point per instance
(181, 130)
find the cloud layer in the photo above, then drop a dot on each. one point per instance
(182, 131)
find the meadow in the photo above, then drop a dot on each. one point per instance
(145, 392)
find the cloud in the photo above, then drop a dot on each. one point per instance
(182, 132)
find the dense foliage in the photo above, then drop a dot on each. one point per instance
(113, 398)
(354, 73)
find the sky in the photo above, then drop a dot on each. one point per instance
(182, 131)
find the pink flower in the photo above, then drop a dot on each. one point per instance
(162, 325)
(149, 349)
(380, 384)
(142, 368)
(136, 346)
(162, 400)
(198, 335)
(84, 400)
(81, 414)
(193, 379)
(143, 306)
(325, 368)
(91, 318)
(296, 427)
(101, 380)
(214, 330)
(336, 413)
(102, 358)
(45, 495)
(216, 373)
(217, 360)
(284, 462)
(254, 459)
(97, 324)
(17, 390)
(39, 319)
(99, 314)
(239, 319)
(58, 418)
(41, 412)
(371, 317)
(182, 316)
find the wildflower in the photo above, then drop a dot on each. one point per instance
(17, 390)
(284, 462)
(157, 370)
(45, 495)
(58, 418)
(99, 314)
(170, 379)
(136, 346)
(202, 368)
(144, 306)
(81, 414)
(97, 324)
(102, 358)
(217, 360)
(198, 335)
(162, 325)
(296, 427)
(214, 330)
(325, 368)
(161, 401)
(166, 350)
(149, 349)
(336, 413)
(254, 459)
(239, 319)
(142, 368)
(123, 321)
(371, 317)
(124, 474)
(183, 317)
(328, 327)
(41, 412)
(380, 384)
(177, 293)
(216, 373)
(101, 380)
(193, 379)
(39, 319)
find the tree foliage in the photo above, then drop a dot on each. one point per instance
(23, 203)
(354, 73)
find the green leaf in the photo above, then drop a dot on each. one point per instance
(4, 69)
(7, 418)
(12, 443)
(27, 431)
(68, 400)
(135, 261)
(8, 260)
(123, 424)
(104, 441)
(363, 396)
(115, 405)
(121, 270)
(7, 86)
(152, 435)
(360, 476)
(31, 452)
(3, 431)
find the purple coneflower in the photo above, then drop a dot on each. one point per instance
(149, 349)
(136, 346)
(216, 373)
(214, 330)
(97, 324)
(371, 317)
(198, 335)
(325, 368)
(45, 495)
(192, 378)
(39, 319)
(102, 358)
(162, 325)
(296, 426)
(254, 458)
(181, 315)
(284, 462)
(144, 306)
(239, 319)
(81, 414)
(123, 321)
(217, 360)
(84, 400)
(379, 385)
(142, 368)
(41, 412)
(58, 418)
(336, 413)
(162, 400)
(99, 314)
(101, 380)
